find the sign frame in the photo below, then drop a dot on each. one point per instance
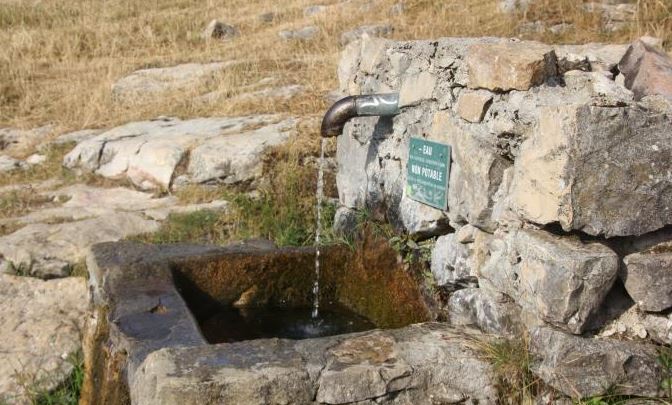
(428, 172)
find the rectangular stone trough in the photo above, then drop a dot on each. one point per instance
(146, 340)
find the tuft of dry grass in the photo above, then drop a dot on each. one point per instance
(511, 360)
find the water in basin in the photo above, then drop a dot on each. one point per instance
(229, 324)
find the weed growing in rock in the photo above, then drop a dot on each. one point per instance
(665, 360)
(68, 392)
(512, 362)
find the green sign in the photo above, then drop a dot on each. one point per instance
(428, 169)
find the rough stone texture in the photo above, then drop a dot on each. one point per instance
(648, 277)
(591, 57)
(634, 324)
(472, 106)
(149, 152)
(617, 154)
(510, 66)
(450, 263)
(489, 311)
(49, 250)
(304, 34)
(560, 279)
(647, 71)
(57, 237)
(41, 329)
(156, 84)
(584, 367)
(219, 30)
(475, 175)
(420, 364)
(379, 30)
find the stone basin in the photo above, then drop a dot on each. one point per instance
(145, 342)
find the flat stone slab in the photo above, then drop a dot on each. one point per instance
(155, 84)
(418, 364)
(41, 328)
(55, 238)
(149, 153)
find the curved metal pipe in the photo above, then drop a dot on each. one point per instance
(358, 106)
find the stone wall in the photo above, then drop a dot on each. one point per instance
(560, 193)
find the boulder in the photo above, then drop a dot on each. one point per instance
(586, 367)
(41, 334)
(303, 34)
(587, 165)
(647, 71)
(378, 30)
(156, 84)
(218, 30)
(510, 65)
(149, 152)
(489, 311)
(561, 280)
(647, 277)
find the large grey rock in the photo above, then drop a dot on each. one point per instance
(148, 152)
(303, 34)
(378, 30)
(647, 277)
(475, 175)
(580, 173)
(584, 367)
(489, 311)
(219, 30)
(417, 365)
(49, 250)
(155, 84)
(647, 71)
(561, 280)
(41, 330)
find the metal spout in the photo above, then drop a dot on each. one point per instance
(358, 106)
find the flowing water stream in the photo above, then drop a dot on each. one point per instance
(318, 230)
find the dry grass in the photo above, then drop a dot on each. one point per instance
(60, 57)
